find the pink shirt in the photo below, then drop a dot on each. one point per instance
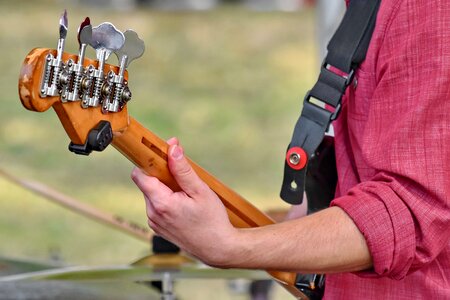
(393, 156)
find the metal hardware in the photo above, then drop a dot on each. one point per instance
(126, 95)
(84, 37)
(72, 81)
(53, 66)
(312, 285)
(105, 39)
(294, 158)
(63, 24)
(46, 75)
(132, 48)
(167, 287)
(66, 80)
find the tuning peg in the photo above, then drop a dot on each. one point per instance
(63, 25)
(132, 48)
(85, 32)
(105, 39)
(84, 37)
(54, 88)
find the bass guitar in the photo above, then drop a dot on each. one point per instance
(90, 98)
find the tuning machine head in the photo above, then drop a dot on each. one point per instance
(85, 32)
(133, 48)
(106, 39)
(92, 82)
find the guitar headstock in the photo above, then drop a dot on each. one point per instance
(83, 92)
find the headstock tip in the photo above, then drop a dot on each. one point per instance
(29, 81)
(76, 119)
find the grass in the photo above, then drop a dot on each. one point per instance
(228, 83)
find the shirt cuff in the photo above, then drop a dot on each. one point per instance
(387, 225)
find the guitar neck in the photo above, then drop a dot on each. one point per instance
(149, 152)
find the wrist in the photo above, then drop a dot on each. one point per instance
(229, 250)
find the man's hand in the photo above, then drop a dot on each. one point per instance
(195, 218)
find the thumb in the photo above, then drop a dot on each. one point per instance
(183, 173)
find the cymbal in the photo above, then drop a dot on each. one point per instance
(10, 266)
(55, 290)
(152, 277)
(164, 260)
(52, 290)
(136, 273)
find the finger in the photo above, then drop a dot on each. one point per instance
(173, 141)
(154, 226)
(161, 231)
(183, 173)
(154, 220)
(150, 209)
(150, 186)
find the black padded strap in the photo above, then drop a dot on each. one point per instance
(348, 46)
(346, 50)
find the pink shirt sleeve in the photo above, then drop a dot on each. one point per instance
(403, 207)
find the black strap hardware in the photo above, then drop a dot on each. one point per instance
(322, 104)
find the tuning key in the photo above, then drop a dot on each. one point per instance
(53, 66)
(132, 48)
(105, 39)
(63, 25)
(84, 37)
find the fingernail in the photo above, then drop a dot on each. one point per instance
(177, 152)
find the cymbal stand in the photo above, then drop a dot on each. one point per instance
(167, 287)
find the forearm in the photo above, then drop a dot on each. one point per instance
(196, 220)
(325, 242)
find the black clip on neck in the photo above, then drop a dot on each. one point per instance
(98, 139)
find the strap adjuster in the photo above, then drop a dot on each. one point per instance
(296, 158)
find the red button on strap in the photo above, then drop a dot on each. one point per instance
(296, 158)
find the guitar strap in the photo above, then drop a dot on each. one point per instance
(321, 105)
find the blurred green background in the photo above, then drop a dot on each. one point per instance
(228, 82)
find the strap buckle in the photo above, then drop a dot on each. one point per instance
(335, 78)
(348, 80)
(348, 76)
